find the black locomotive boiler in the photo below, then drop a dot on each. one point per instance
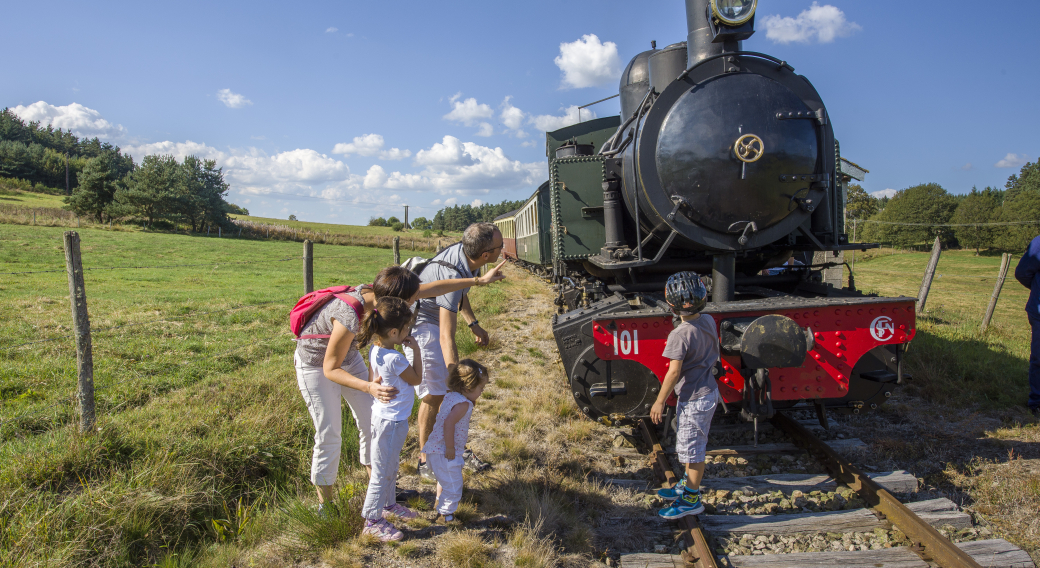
(723, 161)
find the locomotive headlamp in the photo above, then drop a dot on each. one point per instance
(733, 12)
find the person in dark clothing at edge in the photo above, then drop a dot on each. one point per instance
(1028, 273)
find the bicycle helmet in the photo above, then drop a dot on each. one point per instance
(685, 293)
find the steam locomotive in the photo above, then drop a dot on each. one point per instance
(724, 162)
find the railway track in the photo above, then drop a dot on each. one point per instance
(924, 545)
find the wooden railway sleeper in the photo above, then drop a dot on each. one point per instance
(696, 551)
(928, 543)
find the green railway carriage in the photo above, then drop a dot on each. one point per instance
(506, 224)
(532, 226)
(563, 219)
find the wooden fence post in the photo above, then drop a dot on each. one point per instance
(929, 273)
(81, 323)
(220, 232)
(308, 267)
(397, 250)
(1005, 262)
(853, 267)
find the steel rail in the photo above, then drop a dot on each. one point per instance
(929, 544)
(696, 551)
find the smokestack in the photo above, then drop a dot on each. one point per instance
(699, 36)
(406, 225)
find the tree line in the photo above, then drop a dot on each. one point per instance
(162, 189)
(39, 155)
(107, 185)
(992, 218)
(458, 217)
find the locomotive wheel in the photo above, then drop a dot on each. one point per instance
(633, 388)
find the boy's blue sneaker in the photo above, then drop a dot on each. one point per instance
(688, 504)
(673, 492)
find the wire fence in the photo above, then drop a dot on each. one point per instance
(77, 272)
(425, 241)
(983, 290)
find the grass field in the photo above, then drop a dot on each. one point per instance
(203, 443)
(340, 229)
(39, 209)
(27, 199)
(952, 362)
(196, 395)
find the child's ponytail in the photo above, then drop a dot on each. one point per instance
(389, 313)
(467, 375)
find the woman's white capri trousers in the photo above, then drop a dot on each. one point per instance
(323, 402)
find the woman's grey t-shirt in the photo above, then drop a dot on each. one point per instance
(696, 344)
(312, 351)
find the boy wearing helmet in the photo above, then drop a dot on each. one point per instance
(693, 348)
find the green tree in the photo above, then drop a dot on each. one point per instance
(237, 209)
(976, 209)
(860, 204)
(911, 216)
(151, 191)
(391, 220)
(292, 218)
(398, 226)
(40, 154)
(377, 222)
(96, 191)
(1022, 206)
(422, 224)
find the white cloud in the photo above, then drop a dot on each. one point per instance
(450, 202)
(449, 152)
(395, 154)
(375, 177)
(476, 203)
(82, 121)
(294, 168)
(529, 144)
(512, 118)
(469, 111)
(178, 150)
(331, 30)
(366, 145)
(461, 168)
(822, 23)
(967, 166)
(588, 62)
(485, 129)
(889, 193)
(548, 122)
(1011, 161)
(370, 145)
(232, 100)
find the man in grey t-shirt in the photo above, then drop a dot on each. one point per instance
(437, 319)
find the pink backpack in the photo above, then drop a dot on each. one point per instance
(316, 300)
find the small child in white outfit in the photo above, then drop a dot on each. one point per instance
(451, 431)
(386, 326)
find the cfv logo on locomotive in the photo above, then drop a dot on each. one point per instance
(882, 328)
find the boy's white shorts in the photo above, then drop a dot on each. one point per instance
(694, 420)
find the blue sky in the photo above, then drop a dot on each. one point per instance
(288, 98)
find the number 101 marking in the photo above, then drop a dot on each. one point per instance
(629, 342)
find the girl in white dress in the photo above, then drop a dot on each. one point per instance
(450, 433)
